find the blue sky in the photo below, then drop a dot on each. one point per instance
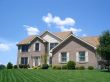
(21, 18)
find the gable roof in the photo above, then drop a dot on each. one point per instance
(64, 34)
(29, 39)
(76, 38)
(94, 40)
(51, 34)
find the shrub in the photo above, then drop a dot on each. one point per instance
(64, 66)
(20, 66)
(81, 68)
(2, 66)
(76, 68)
(9, 65)
(56, 67)
(71, 65)
(24, 66)
(35, 67)
(15, 66)
(90, 67)
(45, 66)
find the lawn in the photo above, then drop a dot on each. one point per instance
(25, 75)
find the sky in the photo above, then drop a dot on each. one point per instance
(22, 18)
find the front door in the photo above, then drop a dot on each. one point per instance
(36, 61)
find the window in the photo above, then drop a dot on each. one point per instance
(63, 57)
(37, 47)
(82, 56)
(24, 60)
(24, 48)
(52, 45)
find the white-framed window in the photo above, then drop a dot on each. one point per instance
(52, 45)
(82, 56)
(37, 46)
(24, 60)
(63, 57)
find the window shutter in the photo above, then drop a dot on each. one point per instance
(34, 47)
(86, 56)
(77, 57)
(39, 46)
(59, 57)
(67, 56)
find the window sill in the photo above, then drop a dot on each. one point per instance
(63, 62)
(37, 51)
(82, 62)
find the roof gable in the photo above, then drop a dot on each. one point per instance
(29, 39)
(64, 34)
(51, 34)
(76, 38)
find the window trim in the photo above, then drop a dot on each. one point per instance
(80, 56)
(53, 43)
(60, 57)
(35, 46)
(86, 57)
(24, 60)
(21, 48)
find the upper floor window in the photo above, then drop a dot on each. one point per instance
(37, 47)
(52, 45)
(82, 56)
(24, 60)
(24, 48)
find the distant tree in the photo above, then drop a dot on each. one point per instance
(104, 48)
(9, 65)
(2, 66)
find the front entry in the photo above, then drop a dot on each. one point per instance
(36, 61)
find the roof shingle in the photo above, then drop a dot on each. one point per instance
(93, 40)
(63, 35)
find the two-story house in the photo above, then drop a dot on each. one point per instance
(60, 47)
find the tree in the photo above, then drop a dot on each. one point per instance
(104, 48)
(9, 65)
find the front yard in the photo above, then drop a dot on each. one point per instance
(25, 75)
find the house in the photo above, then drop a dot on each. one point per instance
(60, 47)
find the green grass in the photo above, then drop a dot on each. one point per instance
(25, 75)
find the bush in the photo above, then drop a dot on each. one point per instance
(9, 65)
(64, 66)
(77, 68)
(90, 67)
(2, 66)
(15, 66)
(20, 66)
(45, 66)
(24, 66)
(56, 67)
(36, 67)
(71, 65)
(81, 68)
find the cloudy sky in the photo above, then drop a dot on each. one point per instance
(22, 18)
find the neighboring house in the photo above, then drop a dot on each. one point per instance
(60, 47)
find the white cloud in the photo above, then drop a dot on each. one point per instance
(31, 30)
(4, 47)
(74, 30)
(49, 19)
(64, 25)
(84, 35)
